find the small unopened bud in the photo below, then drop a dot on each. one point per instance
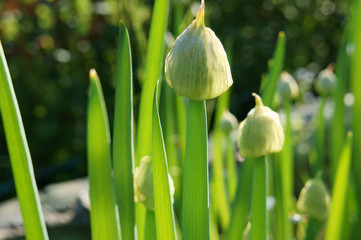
(314, 199)
(228, 122)
(287, 86)
(261, 132)
(143, 184)
(326, 81)
(197, 67)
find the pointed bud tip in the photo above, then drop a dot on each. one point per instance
(261, 132)
(200, 15)
(331, 67)
(257, 99)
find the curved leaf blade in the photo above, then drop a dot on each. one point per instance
(123, 147)
(268, 91)
(339, 193)
(103, 214)
(163, 207)
(154, 63)
(20, 158)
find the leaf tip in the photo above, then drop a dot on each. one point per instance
(121, 23)
(93, 74)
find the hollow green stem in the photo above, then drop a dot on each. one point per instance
(231, 168)
(178, 17)
(320, 138)
(313, 228)
(150, 227)
(173, 158)
(222, 207)
(287, 153)
(195, 191)
(181, 125)
(286, 168)
(213, 227)
(279, 194)
(152, 72)
(259, 195)
(240, 206)
(338, 120)
(355, 21)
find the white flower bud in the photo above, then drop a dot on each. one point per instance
(261, 133)
(197, 66)
(143, 184)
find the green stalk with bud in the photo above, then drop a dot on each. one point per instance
(259, 135)
(284, 161)
(324, 86)
(289, 91)
(197, 68)
(144, 192)
(314, 200)
(228, 123)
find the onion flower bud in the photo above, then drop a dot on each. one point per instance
(326, 81)
(261, 132)
(197, 66)
(287, 86)
(314, 199)
(143, 184)
(228, 122)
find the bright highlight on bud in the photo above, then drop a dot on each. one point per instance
(287, 86)
(228, 122)
(261, 132)
(197, 66)
(143, 184)
(326, 81)
(314, 199)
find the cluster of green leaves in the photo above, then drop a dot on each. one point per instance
(56, 42)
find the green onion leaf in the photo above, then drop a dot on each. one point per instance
(219, 194)
(154, 62)
(241, 204)
(123, 147)
(103, 214)
(162, 199)
(339, 193)
(22, 166)
(259, 195)
(174, 160)
(268, 91)
(356, 91)
(338, 122)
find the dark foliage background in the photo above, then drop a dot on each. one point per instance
(50, 46)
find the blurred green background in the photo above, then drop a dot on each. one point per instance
(51, 45)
